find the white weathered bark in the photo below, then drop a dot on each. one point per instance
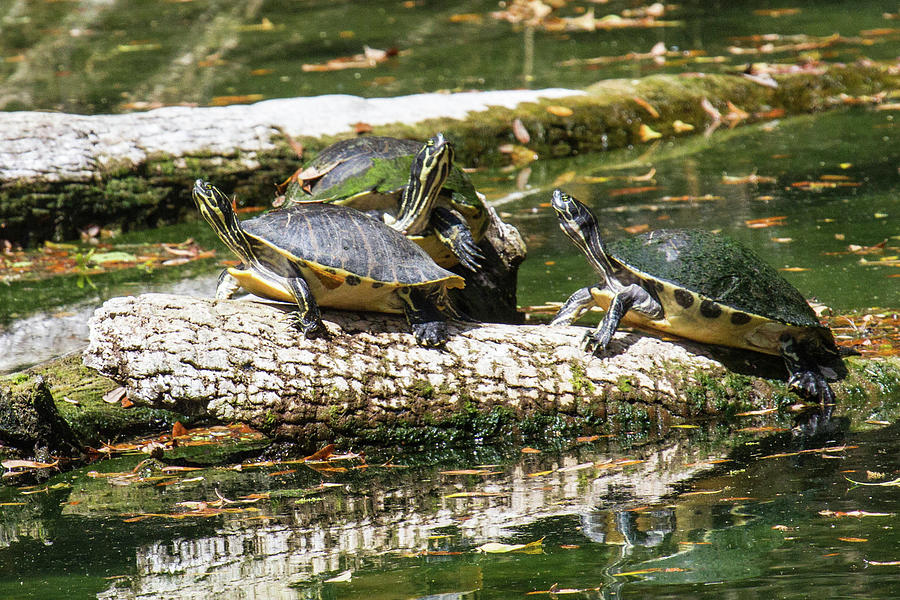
(240, 360)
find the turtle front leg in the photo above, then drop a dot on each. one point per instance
(308, 319)
(632, 297)
(805, 376)
(453, 231)
(227, 285)
(428, 324)
(574, 307)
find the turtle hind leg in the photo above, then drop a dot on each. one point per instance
(428, 324)
(631, 297)
(453, 231)
(805, 376)
(308, 319)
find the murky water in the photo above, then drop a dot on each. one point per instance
(780, 519)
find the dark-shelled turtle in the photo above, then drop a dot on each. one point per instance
(701, 286)
(412, 186)
(335, 256)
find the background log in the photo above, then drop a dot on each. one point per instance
(240, 360)
(63, 172)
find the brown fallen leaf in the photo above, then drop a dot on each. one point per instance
(321, 454)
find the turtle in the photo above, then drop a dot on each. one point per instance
(697, 285)
(327, 255)
(412, 186)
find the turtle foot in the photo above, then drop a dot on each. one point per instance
(810, 384)
(594, 342)
(432, 334)
(311, 328)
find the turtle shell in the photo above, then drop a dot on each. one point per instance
(341, 242)
(361, 165)
(368, 173)
(717, 268)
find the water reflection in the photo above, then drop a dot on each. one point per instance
(682, 522)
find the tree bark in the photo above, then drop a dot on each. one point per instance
(240, 360)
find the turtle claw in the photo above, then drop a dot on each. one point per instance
(469, 254)
(810, 384)
(594, 343)
(432, 334)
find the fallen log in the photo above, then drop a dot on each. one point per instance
(135, 170)
(241, 360)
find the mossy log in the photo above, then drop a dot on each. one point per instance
(241, 360)
(60, 173)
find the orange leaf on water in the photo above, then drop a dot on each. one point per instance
(321, 454)
(765, 222)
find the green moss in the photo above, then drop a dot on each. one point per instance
(719, 394)
(422, 388)
(580, 382)
(623, 384)
(78, 394)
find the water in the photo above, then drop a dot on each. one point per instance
(699, 513)
(96, 57)
(684, 524)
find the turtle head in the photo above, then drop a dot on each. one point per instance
(579, 223)
(216, 209)
(429, 171)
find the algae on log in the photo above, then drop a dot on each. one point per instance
(239, 360)
(60, 173)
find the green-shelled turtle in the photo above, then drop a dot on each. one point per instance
(701, 286)
(413, 187)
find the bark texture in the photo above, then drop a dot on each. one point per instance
(240, 360)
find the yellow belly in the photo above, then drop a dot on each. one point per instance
(363, 296)
(758, 333)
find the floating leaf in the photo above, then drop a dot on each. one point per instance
(466, 18)
(499, 548)
(469, 472)
(765, 222)
(474, 495)
(321, 454)
(27, 464)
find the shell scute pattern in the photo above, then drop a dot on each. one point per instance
(329, 237)
(716, 268)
